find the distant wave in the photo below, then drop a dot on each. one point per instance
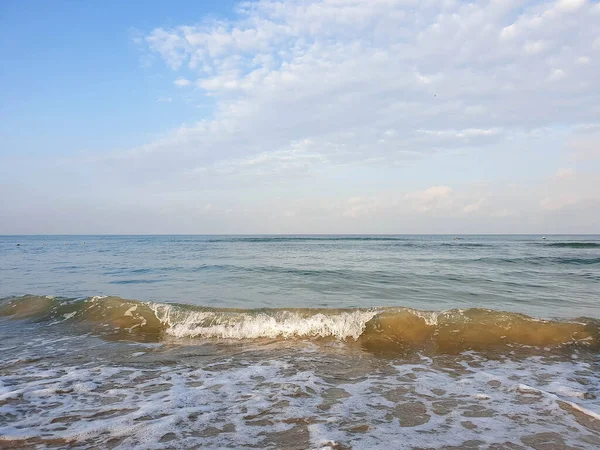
(539, 260)
(403, 241)
(375, 329)
(274, 239)
(463, 244)
(373, 276)
(574, 244)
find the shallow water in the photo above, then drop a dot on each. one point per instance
(300, 342)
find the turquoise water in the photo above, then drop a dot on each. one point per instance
(555, 277)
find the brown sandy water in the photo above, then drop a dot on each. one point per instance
(114, 373)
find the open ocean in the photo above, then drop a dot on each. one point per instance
(300, 342)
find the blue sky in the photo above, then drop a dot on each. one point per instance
(73, 66)
(312, 116)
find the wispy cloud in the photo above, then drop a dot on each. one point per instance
(344, 72)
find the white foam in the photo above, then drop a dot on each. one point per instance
(430, 317)
(130, 311)
(248, 396)
(283, 324)
(522, 388)
(588, 412)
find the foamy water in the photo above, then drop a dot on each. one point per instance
(285, 324)
(60, 391)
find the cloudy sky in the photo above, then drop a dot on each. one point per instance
(300, 116)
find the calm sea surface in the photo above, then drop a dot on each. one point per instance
(555, 277)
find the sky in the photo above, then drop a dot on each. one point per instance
(299, 116)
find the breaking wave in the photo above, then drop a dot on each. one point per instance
(376, 329)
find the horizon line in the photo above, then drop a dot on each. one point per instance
(300, 234)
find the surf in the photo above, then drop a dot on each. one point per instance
(396, 329)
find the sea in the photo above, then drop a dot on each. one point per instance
(300, 342)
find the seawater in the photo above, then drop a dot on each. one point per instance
(300, 342)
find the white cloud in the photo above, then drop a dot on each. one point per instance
(570, 5)
(556, 203)
(182, 82)
(433, 198)
(406, 66)
(556, 75)
(509, 32)
(583, 60)
(297, 158)
(432, 194)
(533, 48)
(473, 207)
(463, 134)
(565, 173)
(361, 206)
(165, 99)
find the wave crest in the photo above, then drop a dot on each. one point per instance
(250, 324)
(381, 329)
